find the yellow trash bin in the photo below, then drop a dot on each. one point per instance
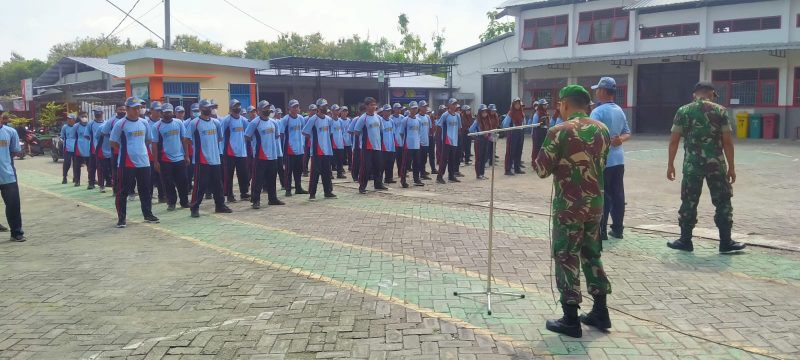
(742, 120)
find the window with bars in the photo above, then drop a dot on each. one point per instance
(240, 92)
(546, 32)
(746, 87)
(668, 31)
(796, 101)
(602, 26)
(747, 24)
(182, 94)
(621, 96)
(544, 89)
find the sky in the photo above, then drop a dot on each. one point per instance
(36, 25)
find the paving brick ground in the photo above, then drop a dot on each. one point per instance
(368, 277)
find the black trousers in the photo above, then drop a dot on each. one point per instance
(514, 142)
(306, 157)
(449, 161)
(348, 155)
(614, 199)
(464, 144)
(207, 178)
(489, 152)
(155, 182)
(173, 177)
(355, 164)
(388, 165)
(281, 171)
(103, 169)
(539, 134)
(10, 194)
(411, 158)
(238, 164)
(67, 163)
(432, 154)
(480, 155)
(399, 154)
(126, 179)
(266, 172)
(371, 165)
(338, 161)
(320, 167)
(91, 167)
(76, 168)
(294, 171)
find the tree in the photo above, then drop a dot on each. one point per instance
(98, 47)
(496, 28)
(191, 43)
(411, 44)
(16, 69)
(49, 113)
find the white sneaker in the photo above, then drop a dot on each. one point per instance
(131, 197)
(102, 189)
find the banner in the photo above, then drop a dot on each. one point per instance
(26, 86)
(405, 96)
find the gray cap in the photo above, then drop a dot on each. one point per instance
(194, 106)
(263, 104)
(167, 108)
(204, 103)
(234, 102)
(155, 105)
(397, 106)
(214, 104)
(413, 105)
(312, 107)
(133, 102)
(452, 101)
(272, 108)
(606, 82)
(335, 107)
(321, 102)
(386, 107)
(442, 107)
(493, 107)
(293, 103)
(72, 116)
(543, 102)
(482, 107)
(423, 103)
(97, 110)
(278, 111)
(467, 108)
(251, 108)
(344, 108)
(179, 109)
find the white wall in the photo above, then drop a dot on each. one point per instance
(671, 18)
(470, 67)
(750, 10)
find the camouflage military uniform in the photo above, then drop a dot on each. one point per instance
(701, 124)
(575, 153)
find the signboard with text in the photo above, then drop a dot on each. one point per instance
(405, 96)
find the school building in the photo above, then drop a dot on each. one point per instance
(655, 49)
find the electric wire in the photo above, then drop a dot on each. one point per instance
(252, 17)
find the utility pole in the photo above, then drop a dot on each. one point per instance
(167, 36)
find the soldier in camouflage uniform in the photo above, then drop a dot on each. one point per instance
(575, 153)
(706, 130)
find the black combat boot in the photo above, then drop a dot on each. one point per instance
(598, 317)
(726, 244)
(684, 242)
(569, 324)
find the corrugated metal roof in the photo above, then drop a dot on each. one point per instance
(102, 65)
(510, 3)
(153, 53)
(645, 4)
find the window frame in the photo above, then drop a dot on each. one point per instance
(729, 83)
(657, 31)
(534, 29)
(731, 22)
(615, 16)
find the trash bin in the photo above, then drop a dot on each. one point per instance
(755, 126)
(770, 126)
(741, 124)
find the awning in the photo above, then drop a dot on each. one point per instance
(649, 55)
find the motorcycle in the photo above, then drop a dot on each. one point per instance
(35, 146)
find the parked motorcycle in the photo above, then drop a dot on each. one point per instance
(57, 150)
(35, 146)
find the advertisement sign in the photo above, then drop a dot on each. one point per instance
(141, 91)
(26, 86)
(405, 96)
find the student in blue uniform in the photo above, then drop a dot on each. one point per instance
(337, 136)
(168, 134)
(264, 135)
(293, 148)
(387, 126)
(277, 116)
(312, 110)
(155, 178)
(82, 147)
(195, 113)
(344, 114)
(121, 113)
(411, 144)
(368, 126)
(9, 148)
(482, 123)
(131, 135)
(318, 129)
(450, 123)
(398, 121)
(424, 139)
(95, 167)
(235, 152)
(355, 160)
(515, 138)
(205, 134)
